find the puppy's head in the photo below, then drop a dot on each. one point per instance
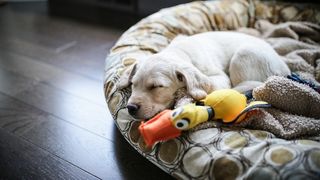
(154, 83)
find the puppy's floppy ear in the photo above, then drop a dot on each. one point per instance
(125, 79)
(198, 84)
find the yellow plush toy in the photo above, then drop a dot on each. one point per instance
(228, 106)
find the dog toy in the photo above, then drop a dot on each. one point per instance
(228, 106)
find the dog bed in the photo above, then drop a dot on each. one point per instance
(281, 142)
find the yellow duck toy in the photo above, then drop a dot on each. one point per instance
(227, 105)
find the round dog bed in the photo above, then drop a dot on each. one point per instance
(214, 153)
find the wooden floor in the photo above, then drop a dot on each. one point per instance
(54, 123)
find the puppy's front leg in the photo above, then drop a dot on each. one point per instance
(247, 85)
(220, 81)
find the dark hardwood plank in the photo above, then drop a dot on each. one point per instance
(76, 145)
(56, 41)
(34, 162)
(75, 58)
(14, 84)
(48, 30)
(75, 84)
(94, 154)
(73, 109)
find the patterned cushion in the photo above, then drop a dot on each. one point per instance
(215, 153)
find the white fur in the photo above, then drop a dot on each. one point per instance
(202, 63)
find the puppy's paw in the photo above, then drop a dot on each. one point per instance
(198, 94)
(183, 101)
(182, 97)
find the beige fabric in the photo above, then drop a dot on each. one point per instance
(290, 96)
(295, 112)
(210, 153)
(296, 107)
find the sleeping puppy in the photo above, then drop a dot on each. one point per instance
(200, 63)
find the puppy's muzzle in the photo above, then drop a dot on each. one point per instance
(133, 109)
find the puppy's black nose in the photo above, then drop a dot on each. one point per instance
(132, 109)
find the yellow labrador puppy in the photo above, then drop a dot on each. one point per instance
(201, 63)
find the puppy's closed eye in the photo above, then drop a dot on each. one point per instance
(154, 86)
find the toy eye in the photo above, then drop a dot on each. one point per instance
(182, 124)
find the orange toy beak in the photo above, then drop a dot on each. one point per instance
(159, 128)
